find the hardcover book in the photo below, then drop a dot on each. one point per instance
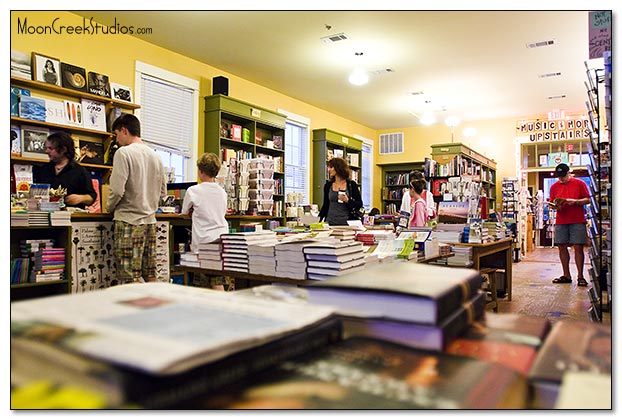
(73, 113)
(73, 77)
(120, 92)
(16, 140)
(94, 114)
(406, 291)
(16, 94)
(366, 373)
(33, 142)
(32, 108)
(570, 346)
(54, 112)
(98, 84)
(158, 344)
(91, 152)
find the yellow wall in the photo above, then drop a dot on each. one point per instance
(115, 56)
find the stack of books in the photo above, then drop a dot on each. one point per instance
(190, 259)
(38, 218)
(419, 305)
(463, 257)
(326, 259)
(19, 218)
(235, 248)
(290, 259)
(343, 233)
(449, 232)
(49, 265)
(210, 255)
(261, 258)
(60, 218)
(496, 230)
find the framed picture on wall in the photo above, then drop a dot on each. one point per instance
(120, 92)
(46, 69)
(544, 160)
(33, 142)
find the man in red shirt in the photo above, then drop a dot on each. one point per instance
(569, 195)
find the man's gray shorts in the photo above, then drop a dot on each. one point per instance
(573, 234)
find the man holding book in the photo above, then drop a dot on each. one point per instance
(568, 196)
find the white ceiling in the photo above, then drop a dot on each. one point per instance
(472, 64)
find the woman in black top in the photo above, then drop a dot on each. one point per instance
(342, 197)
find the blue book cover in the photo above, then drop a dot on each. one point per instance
(16, 94)
(32, 108)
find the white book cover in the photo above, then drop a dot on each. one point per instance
(54, 111)
(94, 113)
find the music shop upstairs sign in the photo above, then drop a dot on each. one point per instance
(554, 130)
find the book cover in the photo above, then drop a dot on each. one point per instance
(23, 177)
(121, 92)
(94, 114)
(333, 248)
(33, 142)
(73, 77)
(570, 346)
(91, 152)
(16, 94)
(32, 108)
(54, 112)
(421, 336)
(405, 291)
(366, 373)
(20, 65)
(73, 113)
(16, 140)
(161, 343)
(98, 84)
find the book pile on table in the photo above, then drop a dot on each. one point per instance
(326, 259)
(463, 257)
(235, 248)
(60, 218)
(496, 230)
(261, 258)
(19, 218)
(209, 255)
(38, 218)
(449, 232)
(290, 259)
(190, 259)
(343, 233)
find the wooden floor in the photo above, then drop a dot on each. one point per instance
(533, 292)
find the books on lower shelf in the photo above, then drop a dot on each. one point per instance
(570, 346)
(365, 373)
(156, 344)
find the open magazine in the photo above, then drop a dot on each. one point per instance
(160, 328)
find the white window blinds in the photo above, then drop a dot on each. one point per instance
(296, 159)
(166, 115)
(367, 175)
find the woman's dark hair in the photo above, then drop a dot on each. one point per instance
(416, 174)
(340, 166)
(417, 185)
(62, 142)
(129, 122)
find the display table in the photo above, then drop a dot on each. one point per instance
(496, 254)
(249, 279)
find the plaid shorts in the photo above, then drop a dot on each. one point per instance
(135, 251)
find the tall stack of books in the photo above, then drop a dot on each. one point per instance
(261, 258)
(210, 255)
(326, 259)
(290, 259)
(49, 265)
(235, 248)
(418, 305)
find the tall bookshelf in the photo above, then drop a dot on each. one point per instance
(248, 131)
(599, 170)
(327, 144)
(395, 177)
(457, 159)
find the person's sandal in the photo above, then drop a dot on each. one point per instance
(581, 282)
(563, 279)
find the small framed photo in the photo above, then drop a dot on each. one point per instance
(544, 160)
(120, 92)
(99, 84)
(73, 77)
(46, 69)
(33, 142)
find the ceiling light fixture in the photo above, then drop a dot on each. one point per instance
(427, 118)
(359, 75)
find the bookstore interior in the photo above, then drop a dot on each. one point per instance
(420, 294)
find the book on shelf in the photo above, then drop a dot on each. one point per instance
(16, 140)
(31, 108)
(366, 373)
(508, 338)
(16, 94)
(578, 346)
(73, 113)
(54, 112)
(406, 291)
(158, 344)
(91, 152)
(73, 77)
(94, 115)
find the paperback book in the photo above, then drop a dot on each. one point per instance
(94, 115)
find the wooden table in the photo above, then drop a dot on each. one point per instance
(496, 254)
(248, 278)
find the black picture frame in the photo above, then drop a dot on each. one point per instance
(73, 77)
(45, 69)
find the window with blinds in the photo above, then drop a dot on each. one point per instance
(296, 159)
(168, 117)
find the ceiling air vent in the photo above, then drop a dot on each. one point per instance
(382, 71)
(545, 75)
(541, 44)
(334, 38)
(391, 143)
(556, 97)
